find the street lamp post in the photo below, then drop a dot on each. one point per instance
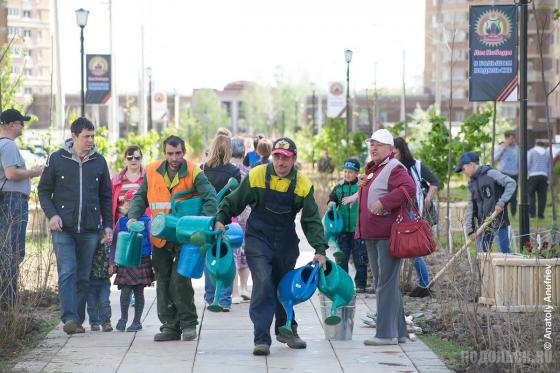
(348, 58)
(81, 20)
(149, 73)
(313, 132)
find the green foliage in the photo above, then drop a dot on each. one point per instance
(556, 14)
(475, 135)
(333, 138)
(397, 129)
(208, 113)
(102, 142)
(257, 106)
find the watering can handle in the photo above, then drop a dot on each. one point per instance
(314, 273)
(190, 191)
(335, 212)
(231, 185)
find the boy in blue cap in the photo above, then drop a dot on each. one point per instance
(349, 213)
(488, 191)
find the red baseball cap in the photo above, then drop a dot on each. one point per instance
(284, 146)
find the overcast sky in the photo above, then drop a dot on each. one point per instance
(193, 44)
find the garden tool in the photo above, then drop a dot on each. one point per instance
(129, 246)
(295, 287)
(332, 223)
(220, 267)
(338, 286)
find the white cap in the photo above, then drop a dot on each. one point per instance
(383, 136)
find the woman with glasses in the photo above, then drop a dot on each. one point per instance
(129, 178)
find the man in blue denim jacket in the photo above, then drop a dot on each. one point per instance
(75, 194)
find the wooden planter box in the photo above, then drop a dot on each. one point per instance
(517, 284)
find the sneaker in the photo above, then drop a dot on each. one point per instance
(261, 350)
(106, 327)
(245, 295)
(381, 341)
(134, 327)
(189, 334)
(167, 335)
(121, 325)
(95, 327)
(293, 341)
(80, 329)
(70, 327)
(225, 309)
(236, 300)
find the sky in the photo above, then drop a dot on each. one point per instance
(195, 44)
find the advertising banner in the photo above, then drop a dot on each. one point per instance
(336, 100)
(159, 106)
(98, 78)
(493, 53)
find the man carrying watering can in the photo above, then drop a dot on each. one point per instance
(175, 294)
(276, 193)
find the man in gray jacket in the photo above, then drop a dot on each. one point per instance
(488, 191)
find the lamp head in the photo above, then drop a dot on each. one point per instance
(81, 17)
(348, 55)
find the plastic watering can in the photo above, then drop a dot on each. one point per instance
(189, 225)
(338, 286)
(129, 246)
(190, 263)
(295, 287)
(164, 227)
(191, 206)
(332, 223)
(230, 186)
(220, 267)
(234, 234)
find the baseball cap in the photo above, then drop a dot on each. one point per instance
(351, 164)
(383, 136)
(12, 115)
(284, 146)
(464, 159)
(129, 195)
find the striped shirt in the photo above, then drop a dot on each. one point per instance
(126, 186)
(538, 162)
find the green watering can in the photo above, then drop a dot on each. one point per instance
(189, 225)
(164, 227)
(129, 246)
(220, 267)
(186, 207)
(230, 186)
(338, 286)
(332, 223)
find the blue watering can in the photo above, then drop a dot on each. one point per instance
(234, 234)
(332, 223)
(191, 262)
(129, 246)
(338, 286)
(220, 267)
(296, 286)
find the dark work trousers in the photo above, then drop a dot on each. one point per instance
(513, 200)
(357, 249)
(537, 184)
(271, 248)
(175, 294)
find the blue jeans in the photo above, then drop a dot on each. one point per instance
(421, 272)
(356, 248)
(74, 255)
(13, 223)
(209, 290)
(484, 241)
(98, 306)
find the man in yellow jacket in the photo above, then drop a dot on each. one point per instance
(175, 294)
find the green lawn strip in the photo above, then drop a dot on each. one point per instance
(443, 348)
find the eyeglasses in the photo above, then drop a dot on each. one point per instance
(135, 157)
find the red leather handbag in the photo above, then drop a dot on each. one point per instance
(410, 238)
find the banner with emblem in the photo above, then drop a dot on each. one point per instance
(493, 53)
(98, 78)
(159, 106)
(336, 100)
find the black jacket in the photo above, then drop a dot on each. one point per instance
(77, 191)
(218, 176)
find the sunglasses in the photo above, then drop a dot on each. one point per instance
(131, 157)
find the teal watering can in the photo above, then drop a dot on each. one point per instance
(188, 225)
(332, 223)
(129, 246)
(164, 227)
(220, 267)
(338, 286)
(230, 186)
(295, 287)
(191, 262)
(186, 207)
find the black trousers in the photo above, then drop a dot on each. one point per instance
(539, 185)
(513, 201)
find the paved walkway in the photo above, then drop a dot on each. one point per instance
(225, 343)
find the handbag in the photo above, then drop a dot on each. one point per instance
(410, 238)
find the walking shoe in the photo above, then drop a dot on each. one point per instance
(293, 341)
(236, 300)
(420, 292)
(80, 329)
(245, 295)
(70, 327)
(167, 335)
(261, 350)
(121, 325)
(134, 327)
(402, 339)
(225, 309)
(189, 334)
(95, 327)
(381, 341)
(106, 327)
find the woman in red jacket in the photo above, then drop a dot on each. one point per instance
(129, 178)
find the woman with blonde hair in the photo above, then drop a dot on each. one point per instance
(218, 169)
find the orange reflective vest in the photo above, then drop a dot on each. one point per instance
(159, 197)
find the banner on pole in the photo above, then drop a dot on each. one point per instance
(159, 106)
(336, 101)
(98, 78)
(493, 53)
